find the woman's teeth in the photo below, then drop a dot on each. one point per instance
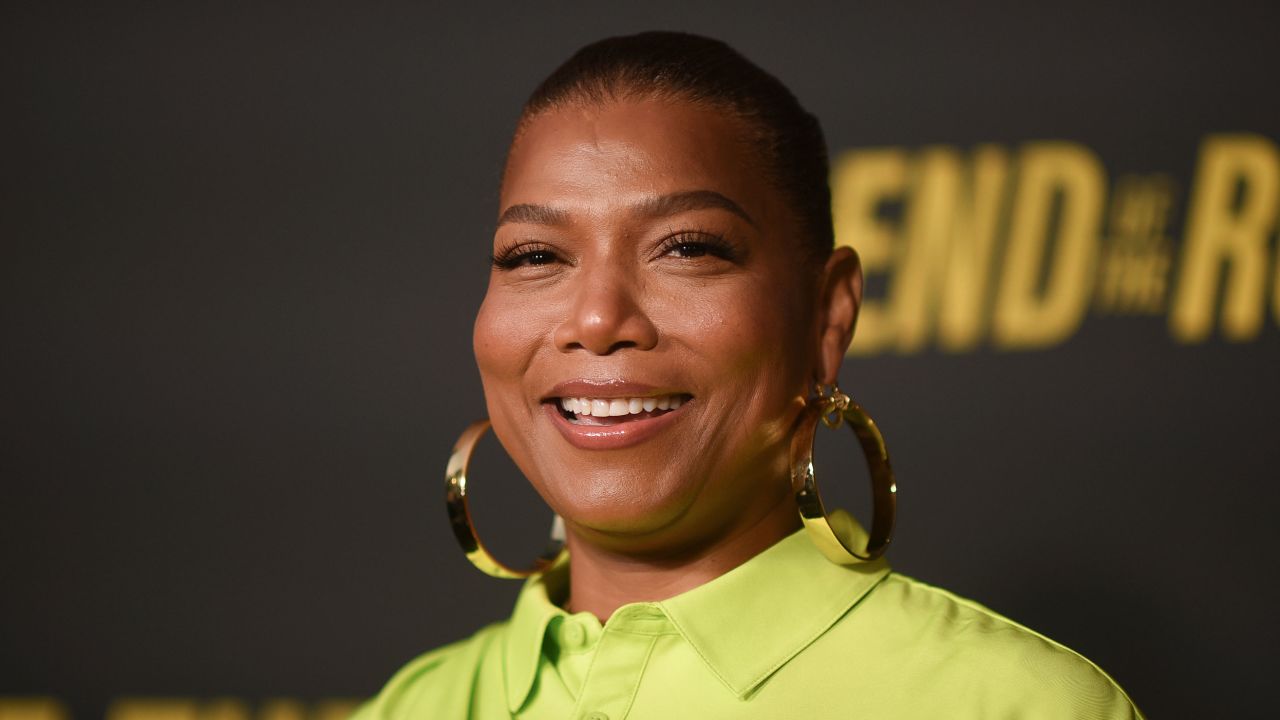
(615, 407)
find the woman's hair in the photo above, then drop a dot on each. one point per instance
(681, 66)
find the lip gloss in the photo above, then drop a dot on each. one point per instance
(611, 437)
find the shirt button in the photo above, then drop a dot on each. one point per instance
(597, 716)
(575, 636)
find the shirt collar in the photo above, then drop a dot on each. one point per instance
(534, 611)
(750, 621)
(744, 625)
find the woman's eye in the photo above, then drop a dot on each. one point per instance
(690, 246)
(690, 250)
(539, 257)
(522, 257)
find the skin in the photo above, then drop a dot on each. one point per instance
(598, 282)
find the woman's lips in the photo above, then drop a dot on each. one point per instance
(594, 423)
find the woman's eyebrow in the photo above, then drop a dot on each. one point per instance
(672, 203)
(536, 214)
(659, 206)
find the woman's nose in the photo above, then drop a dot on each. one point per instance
(604, 317)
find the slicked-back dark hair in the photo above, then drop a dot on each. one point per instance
(682, 66)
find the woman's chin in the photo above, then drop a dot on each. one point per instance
(623, 519)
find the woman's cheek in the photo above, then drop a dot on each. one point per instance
(501, 338)
(501, 359)
(482, 334)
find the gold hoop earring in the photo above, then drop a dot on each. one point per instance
(834, 408)
(460, 514)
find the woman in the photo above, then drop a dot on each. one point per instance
(664, 300)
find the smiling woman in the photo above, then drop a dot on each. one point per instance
(657, 267)
(665, 297)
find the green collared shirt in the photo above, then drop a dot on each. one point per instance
(788, 634)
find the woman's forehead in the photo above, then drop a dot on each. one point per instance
(592, 155)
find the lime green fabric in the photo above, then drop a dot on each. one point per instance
(788, 634)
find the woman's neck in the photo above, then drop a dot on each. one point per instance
(602, 580)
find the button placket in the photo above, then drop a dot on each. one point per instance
(621, 653)
(574, 635)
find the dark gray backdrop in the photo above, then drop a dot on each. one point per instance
(242, 248)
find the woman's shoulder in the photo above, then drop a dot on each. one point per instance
(445, 677)
(966, 625)
(942, 638)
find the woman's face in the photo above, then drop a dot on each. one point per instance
(648, 334)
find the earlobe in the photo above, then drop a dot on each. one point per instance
(841, 298)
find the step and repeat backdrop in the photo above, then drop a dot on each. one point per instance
(241, 249)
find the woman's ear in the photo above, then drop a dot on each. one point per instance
(838, 311)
